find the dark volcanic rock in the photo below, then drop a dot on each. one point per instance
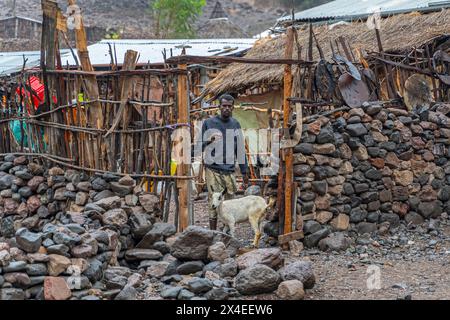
(192, 244)
(256, 280)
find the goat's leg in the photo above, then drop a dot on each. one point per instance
(257, 238)
(254, 222)
(226, 229)
(232, 227)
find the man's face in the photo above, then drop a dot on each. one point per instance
(226, 109)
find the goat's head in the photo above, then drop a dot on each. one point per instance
(217, 198)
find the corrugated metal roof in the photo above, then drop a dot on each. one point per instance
(21, 18)
(12, 62)
(151, 50)
(355, 9)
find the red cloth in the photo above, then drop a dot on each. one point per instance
(38, 97)
(38, 89)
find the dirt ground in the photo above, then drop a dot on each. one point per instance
(415, 270)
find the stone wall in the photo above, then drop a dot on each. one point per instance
(66, 235)
(367, 168)
(62, 231)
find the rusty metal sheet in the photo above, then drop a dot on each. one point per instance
(417, 91)
(351, 69)
(324, 80)
(440, 58)
(369, 74)
(354, 92)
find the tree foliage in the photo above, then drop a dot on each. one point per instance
(175, 18)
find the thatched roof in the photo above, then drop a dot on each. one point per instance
(399, 33)
(221, 28)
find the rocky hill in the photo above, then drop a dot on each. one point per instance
(134, 18)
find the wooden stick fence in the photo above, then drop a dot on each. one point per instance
(140, 111)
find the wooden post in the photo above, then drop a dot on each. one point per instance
(49, 47)
(387, 68)
(124, 114)
(288, 153)
(94, 109)
(183, 169)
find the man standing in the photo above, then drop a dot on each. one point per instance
(223, 145)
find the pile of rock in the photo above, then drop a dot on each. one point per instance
(207, 267)
(65, 235)
(367, 168)
(57, 223)
(198, 264)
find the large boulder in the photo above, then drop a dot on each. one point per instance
(142, 254)
(28, 241)
(120, 189)
(192, 244)
(190, 267)
(414, 218)
(108, 203)
(199, 285)
(271, 257)
(313, 239)
(127, 293)
(299, 270)
(94, 270)
(6, 181)
(158, 232)
(232, 244)
(291, 290)
(356, 129)
(57, 264)
(218, 252)
(12, 294)
(56, 288)
(430, 209)
(149, 202)
(257, 279)
(117, 217)
(140, 224)
(335, 242)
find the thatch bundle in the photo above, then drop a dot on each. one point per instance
(399, 33)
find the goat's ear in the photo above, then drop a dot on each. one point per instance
(224, 192)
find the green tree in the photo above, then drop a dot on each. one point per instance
(175, 18)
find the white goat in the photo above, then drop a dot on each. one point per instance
(249, 208)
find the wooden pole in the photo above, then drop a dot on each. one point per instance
(123, 115)
(387, 68)
(182, 169)
(95, 109)
(49, 57)
(288, 153)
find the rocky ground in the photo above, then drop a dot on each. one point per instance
(413, 262)
(65, 235)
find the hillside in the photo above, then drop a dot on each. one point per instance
(134, 19)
